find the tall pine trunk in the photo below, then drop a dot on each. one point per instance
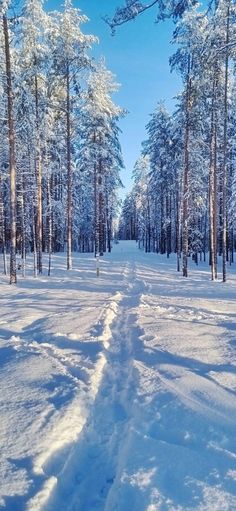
(101, 208)
(12, 159)
(49, 226)
(225, 153)
(108, 223)
(96, 222)
(212, 197)
(38, 168)
(69, 171)
(186, 172)
(215, 212)
(2, 223)
(22, 213)
(178, 229)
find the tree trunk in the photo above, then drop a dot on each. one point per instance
(212, 197)
(22, 209)
(38, 167)
(96, 222)
(12, 159)
(101, 208)
(96, 215)
(186, 173)
(34, 244)
(69, 172)
(225, 154)
(49, 227)
(108, 223)
(215, 197)
(2, 223)
(168, 227)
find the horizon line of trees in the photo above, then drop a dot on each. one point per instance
(183, 199)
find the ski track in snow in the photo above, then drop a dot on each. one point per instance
(92, 464)
(150, 420)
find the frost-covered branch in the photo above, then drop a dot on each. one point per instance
(133, 8)
(129, 12)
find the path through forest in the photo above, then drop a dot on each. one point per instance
(119, 393)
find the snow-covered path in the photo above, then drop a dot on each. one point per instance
(97, 455)
(119, 393)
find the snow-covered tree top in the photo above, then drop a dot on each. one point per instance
(101, 84)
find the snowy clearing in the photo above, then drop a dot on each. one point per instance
(118, 393)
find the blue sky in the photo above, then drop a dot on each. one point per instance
(138, 55)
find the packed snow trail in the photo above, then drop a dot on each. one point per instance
(136, 378)
(93, 463)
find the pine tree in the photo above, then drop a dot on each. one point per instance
(101, 150)
(12, 155)
(33, 63)
(70, 59)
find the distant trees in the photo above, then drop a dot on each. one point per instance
(142, 203)
(158, 148)
(100, 153)
(190, 186)
(49, 89)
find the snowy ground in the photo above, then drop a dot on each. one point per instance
(118, 393)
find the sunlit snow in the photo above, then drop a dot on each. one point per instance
(118, 393)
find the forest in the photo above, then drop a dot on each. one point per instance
(117, 373)
(60, 152)
(183, 198)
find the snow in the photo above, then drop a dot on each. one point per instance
(118, 393)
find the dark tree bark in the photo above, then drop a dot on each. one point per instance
(12, 158)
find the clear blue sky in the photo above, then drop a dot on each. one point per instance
(138, 55)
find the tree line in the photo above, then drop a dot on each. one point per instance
(183, 199)
(60, 154)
